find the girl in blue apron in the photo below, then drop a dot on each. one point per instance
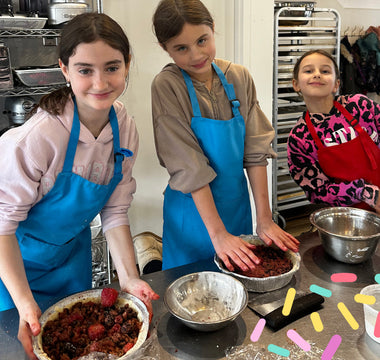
(48, 256)
(206, 204)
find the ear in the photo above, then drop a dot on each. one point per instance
(296, 86)
(128, 65)
(64, 69)
(337, 85)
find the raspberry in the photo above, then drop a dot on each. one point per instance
(108, 297)
(96, 331)
(128, 347)
(74, 317)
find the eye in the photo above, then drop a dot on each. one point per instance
(112, 68)
(85, 71)
(202, 41)
(181, 48)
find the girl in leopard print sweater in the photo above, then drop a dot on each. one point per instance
(334, 150)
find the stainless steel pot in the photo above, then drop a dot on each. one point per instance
(61, 11)
(17, 108)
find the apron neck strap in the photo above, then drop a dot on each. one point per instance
(228, 88)
(119, 153)
(192, 94)
(349, 117)
(73, 141)
(74, 137)
(313, 133)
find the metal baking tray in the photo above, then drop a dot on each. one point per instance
(22, 22)
(40, 76)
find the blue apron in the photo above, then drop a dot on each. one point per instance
(55, 239)
(185, 237)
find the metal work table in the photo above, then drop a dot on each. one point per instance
(176, 341)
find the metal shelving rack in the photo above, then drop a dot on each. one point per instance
(296, 31)
(46, 35)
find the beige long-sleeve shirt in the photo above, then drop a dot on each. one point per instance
(177, 147)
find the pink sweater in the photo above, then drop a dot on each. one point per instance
(32, 156)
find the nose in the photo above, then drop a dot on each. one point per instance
(317, 74)
(195, 53)
(99, 81)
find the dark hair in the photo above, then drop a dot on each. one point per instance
(296, 68)
(171, 15)
(84, 28)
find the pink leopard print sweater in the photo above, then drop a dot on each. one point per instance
(332, 129)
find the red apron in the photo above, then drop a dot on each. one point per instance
(355, 159)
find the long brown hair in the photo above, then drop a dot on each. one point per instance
(171, 15)
(84, 28)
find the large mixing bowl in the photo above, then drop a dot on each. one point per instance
(264, 284)
(94, 295)
(206, 301)
(348, 234)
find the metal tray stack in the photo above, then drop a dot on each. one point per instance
(296, 31)
(102, 273)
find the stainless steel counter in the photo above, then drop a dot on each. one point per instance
(176, 341)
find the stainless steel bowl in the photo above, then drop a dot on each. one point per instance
(348, 234)
(94, 295)
(206, 301)
(263, 284)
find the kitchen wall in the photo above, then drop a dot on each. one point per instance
(251, 20)
(362, 13)
(356, 17)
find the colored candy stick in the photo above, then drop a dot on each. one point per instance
(348, 316)
(317, 322)
(377, 278)
(377, 326)
(365, 299)
(331, 347)
(343, 277)
(278, 350)
(288, 301)
(297, 339)
(320, 290)
(256, 333)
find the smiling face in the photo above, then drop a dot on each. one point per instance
(193, 50)
(97, 75)
(316, 80)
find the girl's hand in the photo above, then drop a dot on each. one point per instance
(144, 292)
(229, 247)
(29, 326)
(270, 232)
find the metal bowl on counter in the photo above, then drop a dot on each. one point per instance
(349, 235)
(94, 295)
(207, 300)
(264, 284)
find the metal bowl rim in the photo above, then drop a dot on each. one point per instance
(230, 318)
(341, 210)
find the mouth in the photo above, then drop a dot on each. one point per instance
(316, 84)
(200, 65)
(102, 95)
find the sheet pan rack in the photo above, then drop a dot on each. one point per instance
(297, 29)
